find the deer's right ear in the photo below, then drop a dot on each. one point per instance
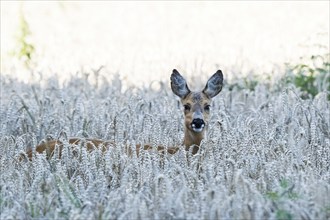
(179, 85)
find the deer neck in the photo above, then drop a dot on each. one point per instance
(193, 138)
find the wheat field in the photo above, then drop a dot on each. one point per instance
(266, 155)
(102, 70)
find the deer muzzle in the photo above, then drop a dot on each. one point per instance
(198, 125)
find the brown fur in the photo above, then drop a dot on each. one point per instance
(91, 144)
(191, 137)
(196, 103)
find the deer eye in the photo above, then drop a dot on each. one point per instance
(207, 107)
(186, 107)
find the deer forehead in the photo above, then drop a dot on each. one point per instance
(196, 98)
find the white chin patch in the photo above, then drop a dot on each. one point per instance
(197, 129)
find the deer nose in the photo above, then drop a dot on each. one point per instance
(198, 123)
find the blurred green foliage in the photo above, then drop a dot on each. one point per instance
(311, 75)
(280, 197)
(248, 82)
(25, 49)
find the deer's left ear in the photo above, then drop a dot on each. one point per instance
(214, 84)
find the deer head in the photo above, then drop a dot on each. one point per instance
(196, 105)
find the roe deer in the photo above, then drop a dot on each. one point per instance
(196, 113)
(196, 106)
